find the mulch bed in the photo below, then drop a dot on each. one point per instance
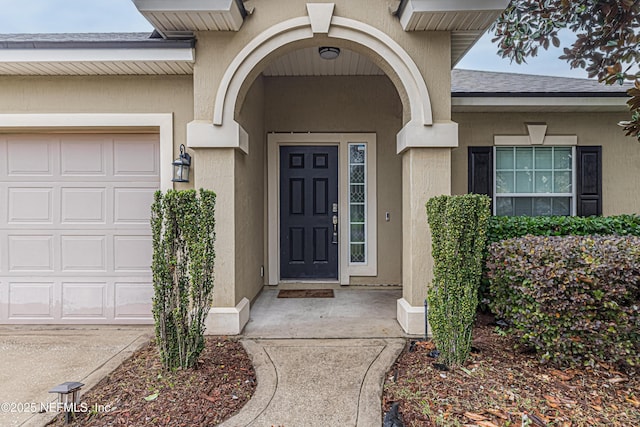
(222, 383)
(500, 386)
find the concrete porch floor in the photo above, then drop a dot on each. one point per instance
(352, 313)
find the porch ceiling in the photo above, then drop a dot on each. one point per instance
(307, 62)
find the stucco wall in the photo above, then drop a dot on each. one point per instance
(102, 94)
(429, 50)
(250, 191)
(620, 154)
(350, 104)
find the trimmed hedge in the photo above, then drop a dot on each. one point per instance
(509, 227)
(183, 230)
(458, 226)
(575, 299)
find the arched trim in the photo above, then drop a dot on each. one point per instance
(342, 28)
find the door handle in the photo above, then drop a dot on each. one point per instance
(334, 240)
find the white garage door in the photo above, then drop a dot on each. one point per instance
(75, 243)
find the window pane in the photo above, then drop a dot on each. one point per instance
(562, 158)
(561, 206)
(504, 182)
(357, 193)
(544, 182)
(356, 153)
(357, 213)
(524, 182)
(524, 158)
(357, 252)
(504, 206)
(543, 158)
(357, 174)
(562, 182)
(542, 206)
(522, 206)
(357, 233)
(504, 158)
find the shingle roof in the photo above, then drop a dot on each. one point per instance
(489, 83)
(87, 40)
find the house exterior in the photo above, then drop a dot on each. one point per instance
(322, 167)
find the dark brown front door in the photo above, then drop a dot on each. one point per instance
(308, 194)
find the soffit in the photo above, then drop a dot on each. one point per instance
(181, 18)
(83, 54)
(467, 20)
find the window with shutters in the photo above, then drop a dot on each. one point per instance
(534, 181)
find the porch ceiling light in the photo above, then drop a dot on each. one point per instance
(328, 52)
(181, 166)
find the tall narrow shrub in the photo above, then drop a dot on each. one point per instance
(182, 224)
(458, 233)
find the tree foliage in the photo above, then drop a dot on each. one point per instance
(182, 224)
(458, 232)
(607, 41)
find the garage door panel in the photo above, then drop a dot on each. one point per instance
(30, 253)
(75, 238)
(84, 300)
(30, 156)
(83, 205)
(30, 204)
(83, 253)
(135, 157)
(132, 205)
(132, 300)
(132, 253)
(31, 300)
(82, 157)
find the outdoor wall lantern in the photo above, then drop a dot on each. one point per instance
(68, 394)
(328, 52)
(181, 166)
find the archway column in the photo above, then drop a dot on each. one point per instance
(426, 172)
(215, 168)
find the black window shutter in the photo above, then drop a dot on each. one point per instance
(481, 170)
(589, 180)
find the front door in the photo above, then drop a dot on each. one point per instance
(308, 205)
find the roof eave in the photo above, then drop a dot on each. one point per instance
(466, 20)
(169, 17)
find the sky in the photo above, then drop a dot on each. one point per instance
(82, 16)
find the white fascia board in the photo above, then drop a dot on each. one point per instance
(97, 55)
(185, 5)
(567, 101)
(439, 6)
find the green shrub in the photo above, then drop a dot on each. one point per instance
(458, 230)
(508, 227)
(182, 224)
(575, 298)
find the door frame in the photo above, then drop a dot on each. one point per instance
(341, 140)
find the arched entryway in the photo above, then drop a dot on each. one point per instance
(245, 102)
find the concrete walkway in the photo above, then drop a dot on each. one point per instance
(34, 359)
(318, 361)
(333, 379)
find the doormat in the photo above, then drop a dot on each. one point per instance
(305, 293)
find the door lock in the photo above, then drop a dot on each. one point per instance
(334, 240)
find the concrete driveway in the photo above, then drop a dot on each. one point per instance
(37, 358)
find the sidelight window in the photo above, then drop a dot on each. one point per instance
(357, 203)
